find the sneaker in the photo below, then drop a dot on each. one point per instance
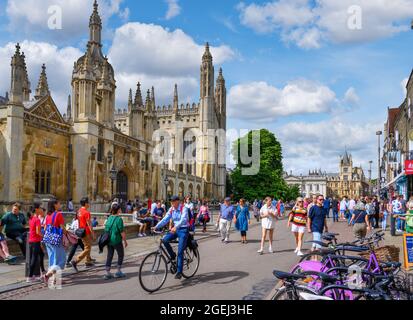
(74, 265)
(261, 251)
(108, 276)
(270, 250)
(89, 264)
(119, 275)
(296, 250)
(226, 241)
(68, 264)
(299, 253)
(178, 276)
(222, 240)
(30, 280)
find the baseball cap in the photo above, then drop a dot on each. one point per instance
(227, 199)
(174, 198)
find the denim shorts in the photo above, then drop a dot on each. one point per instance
(316, 237)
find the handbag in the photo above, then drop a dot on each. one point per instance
(80, 232)
(69, 239)
(53, 235)
(104, 238)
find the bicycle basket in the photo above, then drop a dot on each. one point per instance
(384, 254)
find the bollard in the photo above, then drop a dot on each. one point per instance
(392, 225)
(27, 263)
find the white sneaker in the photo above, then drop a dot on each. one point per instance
(270, 250)
(260, 251)
(299, 253)
(296, 250)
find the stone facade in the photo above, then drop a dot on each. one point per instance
(94, 150)
(313, 183)
(350, 181)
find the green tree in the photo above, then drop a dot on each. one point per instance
(269, 179)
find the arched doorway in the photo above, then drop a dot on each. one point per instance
(122, 186)
(198, 191)
(181, 190)
(170, 189)
(191, 190)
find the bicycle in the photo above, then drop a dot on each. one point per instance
(154, 269)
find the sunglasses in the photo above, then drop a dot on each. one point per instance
(320, 199)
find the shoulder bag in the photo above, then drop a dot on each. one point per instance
(53, 235)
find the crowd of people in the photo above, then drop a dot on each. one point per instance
(47, 233)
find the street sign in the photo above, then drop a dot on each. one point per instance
(408, 250)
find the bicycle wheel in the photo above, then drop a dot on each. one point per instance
(153, 272)
(288, 294)
(316, 255)
(191, 263)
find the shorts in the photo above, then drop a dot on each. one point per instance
(316, 237)
(299, 229)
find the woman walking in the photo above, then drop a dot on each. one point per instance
(204, 215)
(268, 214)
(361, 221)
(256, 210)
(298, 219)
(114, 226)
(53, 238)
(386, 207)
(242, 216)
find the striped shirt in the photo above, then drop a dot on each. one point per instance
(299, 216)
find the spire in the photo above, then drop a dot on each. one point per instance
(43, 87)
(95, 25)
(138, 96)
(176, 101)
(69, 108)
(207, 54)
(148, 100)
(153, 98)
(130, 101)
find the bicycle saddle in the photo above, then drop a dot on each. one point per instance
(285, 275)
(391, 264)
(328, 278)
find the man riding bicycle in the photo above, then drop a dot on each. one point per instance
(179, 230)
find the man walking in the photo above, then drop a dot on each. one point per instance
(343, 208)
(317, 221)
(334, 205)
(351, 206)
(226, 214)
(85, 223)
(326, 207)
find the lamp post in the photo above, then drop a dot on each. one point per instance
(378, 133)
(113, 176)
(93, 152)
(370, 186)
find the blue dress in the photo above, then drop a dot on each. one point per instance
(242, 215)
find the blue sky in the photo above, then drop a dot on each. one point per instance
(293, 67)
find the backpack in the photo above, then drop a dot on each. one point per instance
(191, 217)
(104, 238)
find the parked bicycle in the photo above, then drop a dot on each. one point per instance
(156, 265)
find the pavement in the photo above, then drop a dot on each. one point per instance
(227, 271)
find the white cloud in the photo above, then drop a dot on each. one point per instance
(351, 96)
(308, 145)
(59, 65)
(263, 102)
(31, 16)
(158, 51)
(308, 24)
(173, 9)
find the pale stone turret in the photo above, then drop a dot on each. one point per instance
(130, 101)
(69, 108)
(176, 100)
(138, 96)
(42, 87)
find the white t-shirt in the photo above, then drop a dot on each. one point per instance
(343, 205)
(397, 206)
(352, 204)
(268, 222)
